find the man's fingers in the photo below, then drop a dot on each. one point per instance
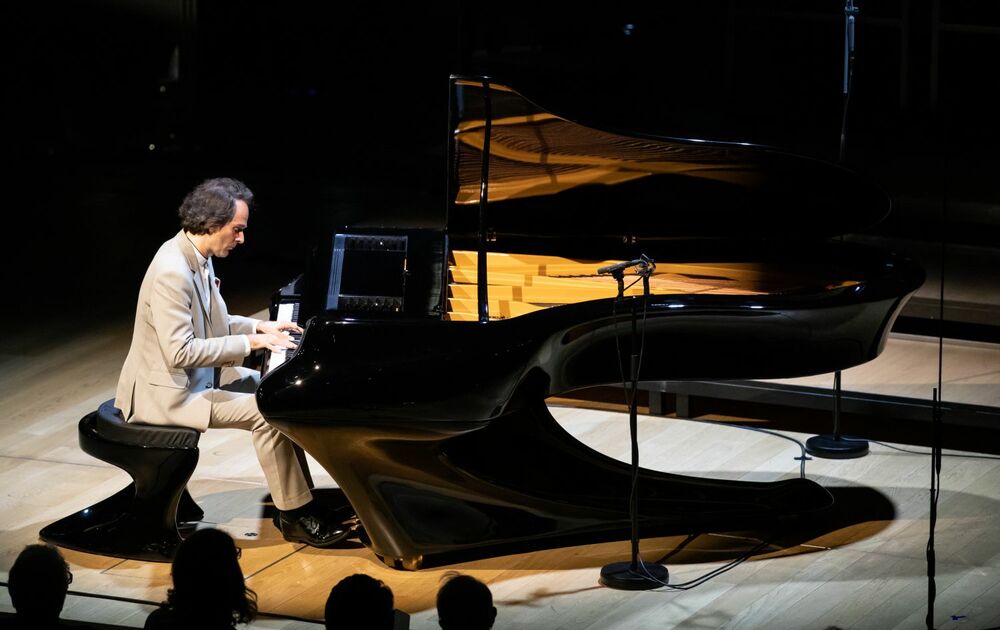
(282, 341)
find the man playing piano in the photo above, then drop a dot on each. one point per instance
(183, 367)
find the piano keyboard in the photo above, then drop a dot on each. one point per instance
(287, 312)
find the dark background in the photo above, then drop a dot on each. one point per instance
(336, 114)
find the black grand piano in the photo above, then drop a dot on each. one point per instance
(428, 353)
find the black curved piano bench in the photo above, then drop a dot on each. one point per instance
(141, 520)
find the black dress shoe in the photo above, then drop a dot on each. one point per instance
(312, 530)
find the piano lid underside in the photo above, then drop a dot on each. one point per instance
(552, 177)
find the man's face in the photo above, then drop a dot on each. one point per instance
(226, 238)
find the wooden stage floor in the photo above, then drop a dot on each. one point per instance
(865, 570)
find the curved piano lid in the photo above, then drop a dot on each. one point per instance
(549, 176)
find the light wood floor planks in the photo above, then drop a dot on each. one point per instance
(908, 367)
(865, 574)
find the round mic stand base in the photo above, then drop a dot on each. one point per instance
(833, 445)
(625, 576)
(829, 446)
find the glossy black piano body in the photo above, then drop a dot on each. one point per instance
(437, 430)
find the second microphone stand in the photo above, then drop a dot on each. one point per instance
(630, 576)
(834, 445)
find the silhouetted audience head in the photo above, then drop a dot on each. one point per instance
(209, 591)
(359, 602)
(38, 582)
(465, 603)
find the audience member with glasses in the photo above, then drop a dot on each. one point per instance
(209, 591)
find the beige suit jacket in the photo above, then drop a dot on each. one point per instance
(181, 335)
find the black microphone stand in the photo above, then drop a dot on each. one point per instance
(630, 576)
(835, 446)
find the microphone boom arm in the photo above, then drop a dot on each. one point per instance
(645, 263)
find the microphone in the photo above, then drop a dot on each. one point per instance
(643, 261)
(850, 33)
(850, 11)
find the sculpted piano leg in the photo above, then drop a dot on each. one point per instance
(520, 482)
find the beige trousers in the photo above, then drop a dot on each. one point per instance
(235, 407)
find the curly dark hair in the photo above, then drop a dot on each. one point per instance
(208, 581)
(212, 204)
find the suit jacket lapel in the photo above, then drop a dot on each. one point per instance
(187, 250)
